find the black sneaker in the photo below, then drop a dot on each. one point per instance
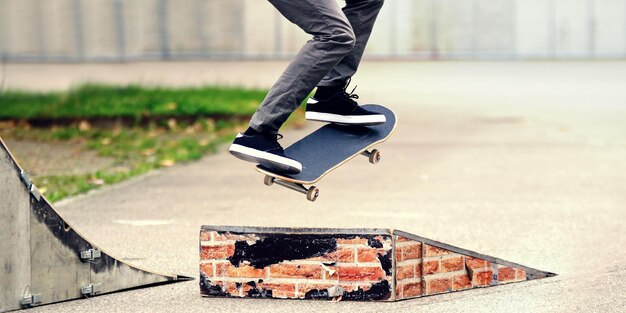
(264, 149)
(342, 109)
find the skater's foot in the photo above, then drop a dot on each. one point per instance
(264, 149)
(336, 105)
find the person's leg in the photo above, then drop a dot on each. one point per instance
(333, 39)
(362, 16)
(332, 103)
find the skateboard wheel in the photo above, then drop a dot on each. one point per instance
(313, 193)
(269, 180)
(375, 156)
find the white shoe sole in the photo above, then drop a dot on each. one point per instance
(364, 120)
(266, 159)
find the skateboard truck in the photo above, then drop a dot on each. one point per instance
(373, 155)
(312, 193)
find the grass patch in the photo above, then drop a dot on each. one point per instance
(191, 123)
(105, 101)
(135, 150)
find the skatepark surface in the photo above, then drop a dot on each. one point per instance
(522, 161)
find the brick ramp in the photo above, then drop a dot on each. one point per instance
(44, 259)
(348, 264)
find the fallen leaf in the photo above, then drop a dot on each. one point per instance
(171, 123)
(96, 181)
(167, 163)
(84, 126)
(148, 152)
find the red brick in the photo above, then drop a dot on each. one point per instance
(228, 270)
(280, 290)
(412, 290)
(431, 267)
(231, 288)
(368, 286)
(438, 285)
(359, 273)
(434, 251)
(506, 274)
(353, 241)
(205, 235)
(329, 257)
(307, 271)
(247, 271)
(461, 282)
(221, 269)
(228, 287)
(304, 288)
(246, 288)
(368, 254)
(345, 255)
(520, 274)
(334, 275)
(418, 269)
(399, 257)
(405, 271)
(207, 269)
(327, 272)
(412, 252)
(482, 278)
(349, 288)
(474, 263)
(452, 265)
(382, 239)
(217, 252)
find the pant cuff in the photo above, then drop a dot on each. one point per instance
(332, 83)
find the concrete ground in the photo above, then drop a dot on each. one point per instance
(522, 161)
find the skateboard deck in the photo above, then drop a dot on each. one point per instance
(329, 147)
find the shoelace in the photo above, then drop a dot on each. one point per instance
(351, 97)
(275, 138)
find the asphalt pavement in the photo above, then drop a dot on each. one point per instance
(522, 161)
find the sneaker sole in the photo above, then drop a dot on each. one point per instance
(363, 120)
(266, 159)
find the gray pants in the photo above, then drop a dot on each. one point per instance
(333, 55)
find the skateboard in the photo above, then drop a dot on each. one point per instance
(328, 148)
